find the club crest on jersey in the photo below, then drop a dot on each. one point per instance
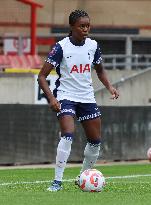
(81, 69)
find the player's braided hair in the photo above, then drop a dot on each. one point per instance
(74, 15)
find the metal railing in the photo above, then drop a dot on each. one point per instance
(136, 61)
(116, 61)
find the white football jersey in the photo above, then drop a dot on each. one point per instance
(73, 65)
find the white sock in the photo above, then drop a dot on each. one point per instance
(91, 154)
(63, 152)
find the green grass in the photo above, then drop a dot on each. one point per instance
(123, 191)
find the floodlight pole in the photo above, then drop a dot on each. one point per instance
(33, 22)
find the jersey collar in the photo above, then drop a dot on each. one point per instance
(75, 43)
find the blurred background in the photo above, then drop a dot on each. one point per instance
(29, 132)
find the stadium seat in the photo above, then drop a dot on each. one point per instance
(38, 61)
(14, 63)
(4, 61)
(34, 61)
(24, 61)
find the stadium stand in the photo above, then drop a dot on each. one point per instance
(21, 62)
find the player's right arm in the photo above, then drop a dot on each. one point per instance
(44, 72)
(53, 61)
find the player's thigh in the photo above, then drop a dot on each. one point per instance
(92, 128)
(66, 116)
(67, 124)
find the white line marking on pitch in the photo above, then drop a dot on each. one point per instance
(71, 180)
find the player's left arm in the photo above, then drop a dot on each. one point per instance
(102, 75)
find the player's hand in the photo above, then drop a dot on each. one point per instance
(54, 104)
(114, 92)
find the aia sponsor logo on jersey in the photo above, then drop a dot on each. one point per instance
(81, 69)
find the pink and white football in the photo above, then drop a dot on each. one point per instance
(92, 180)
(149, 154)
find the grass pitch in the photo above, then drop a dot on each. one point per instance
(125, 185)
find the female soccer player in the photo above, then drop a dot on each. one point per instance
(73, 58)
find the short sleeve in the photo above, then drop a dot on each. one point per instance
(55, 55)
(97, 56)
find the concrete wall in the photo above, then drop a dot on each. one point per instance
(17, 88)
(113, 75)
(133, 90)
(20, 88)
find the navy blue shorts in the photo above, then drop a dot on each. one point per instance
(83, 111)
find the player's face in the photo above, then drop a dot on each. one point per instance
(81, 28)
